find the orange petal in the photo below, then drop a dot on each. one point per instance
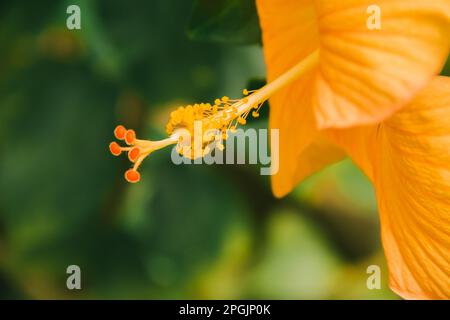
(408, 159)
(319, 154)
(359, 144)
(413, 189)
(364, 75)
(286, 115)
(289, 36)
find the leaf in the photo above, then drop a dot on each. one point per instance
(446, 70)
(256, 83)
(296, 263)
(225, 21)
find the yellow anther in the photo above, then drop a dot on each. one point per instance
(208, 136)
(206, 151)
(241, 120)
(245, 92)
(224, 114)
(255, 114)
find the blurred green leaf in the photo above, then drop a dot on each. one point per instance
(297, 263)
(446, 70)
(352, 191)
(179, 226)
(256, 83)
(56, 163)
(343, 199)
(227, 21)
(97, 39)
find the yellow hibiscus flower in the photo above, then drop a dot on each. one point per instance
(336, 87)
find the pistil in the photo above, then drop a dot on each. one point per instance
(224, 115)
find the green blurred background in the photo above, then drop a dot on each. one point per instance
(185, 231)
